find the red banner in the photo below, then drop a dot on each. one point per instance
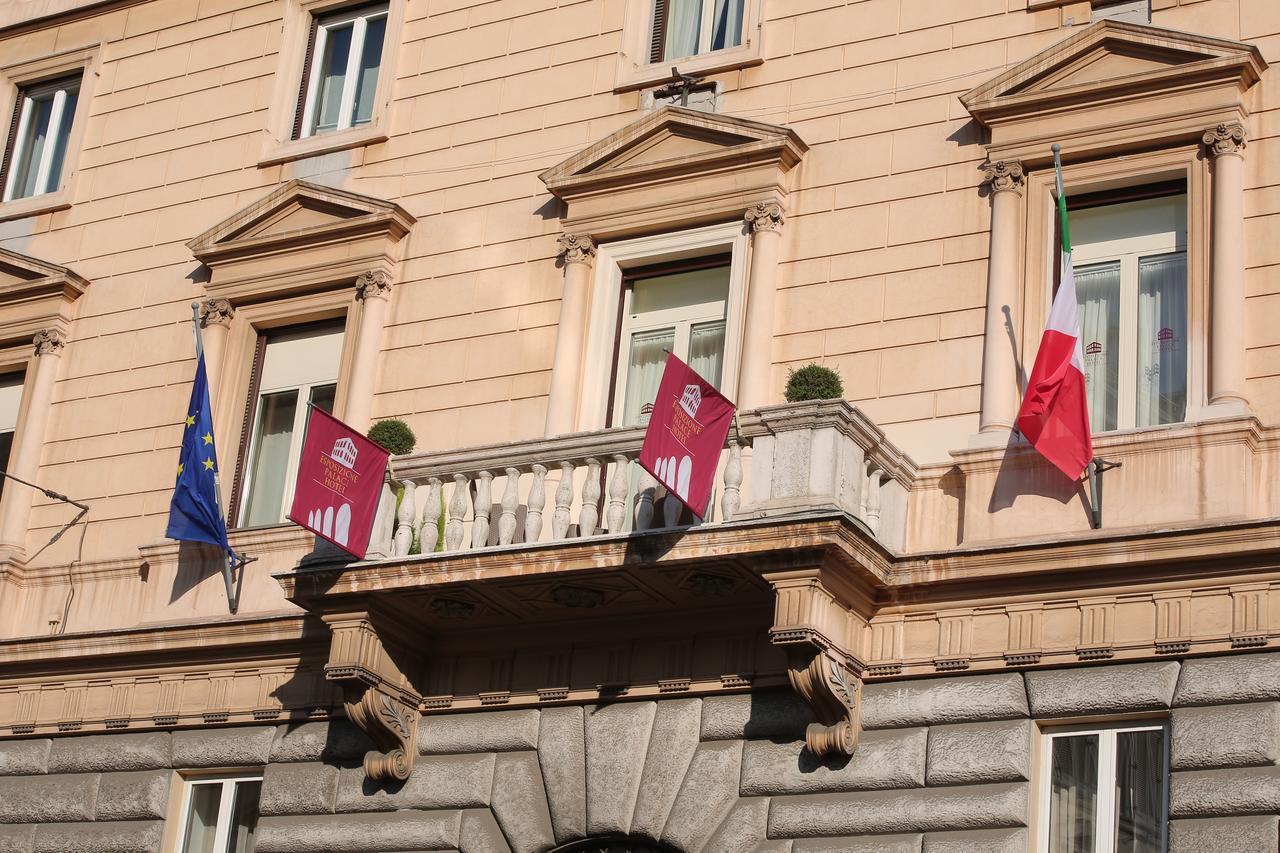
(686, 433)
(340, 478)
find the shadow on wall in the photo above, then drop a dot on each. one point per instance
(1024, 472)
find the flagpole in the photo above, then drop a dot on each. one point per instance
(228, 563)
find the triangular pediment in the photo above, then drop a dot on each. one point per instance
(22, 275)
(674, 141)
(1111, 57)
(299, 213)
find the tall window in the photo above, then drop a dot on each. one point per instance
(292, 368)
(678, 308)
(10, 399)
(220, 815)
(341, 78)
(688, 27)
(1131, 282)
(1104, 790)
(38, 135)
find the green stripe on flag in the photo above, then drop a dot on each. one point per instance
(1066, 231)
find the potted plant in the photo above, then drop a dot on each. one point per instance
(813, 382)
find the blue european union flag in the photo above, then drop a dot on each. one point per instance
(194, 514)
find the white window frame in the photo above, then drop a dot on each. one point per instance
(224, 806)
(612, 259)
(634, 70)
(359, 19)
(705, 27)
(1128, 252)
(1105, 823)
(60, 124)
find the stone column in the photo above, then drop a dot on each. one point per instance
(999, 360)
(1225, 146)
(764, 221)
(24, 458)
(578, 253)
(373, 291)
(215, 321)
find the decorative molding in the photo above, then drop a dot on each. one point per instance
(1005, 176)
(576, 248)
(216, 312)
(49, 341)
(1224, 139)
(764, 216)
(373, 284)
(833, 692)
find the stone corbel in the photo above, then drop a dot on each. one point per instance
(376, 694)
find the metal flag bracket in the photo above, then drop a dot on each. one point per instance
(1096, 468)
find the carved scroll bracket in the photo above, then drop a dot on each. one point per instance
(817, 628)
(377, 695)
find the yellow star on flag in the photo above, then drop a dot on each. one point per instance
(208, 464)
(180, 467)
(191, 420)
(208, 438)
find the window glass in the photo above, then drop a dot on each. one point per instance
(10, 400)
(698, 26)
(1139, 791)
(1098, 292)
(343, 79)
(45, 115)
(1162, 339)
(1073, 804)
(221, 816)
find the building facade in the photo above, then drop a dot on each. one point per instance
(897, 629)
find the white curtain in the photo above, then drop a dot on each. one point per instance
(1139, 791)
(1162, 340)
(644, 373)
(726, 24)
(684, 18)
(1098, 292)
(706, 350)
(1073, 805)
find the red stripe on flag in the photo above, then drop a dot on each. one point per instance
(1055, 415)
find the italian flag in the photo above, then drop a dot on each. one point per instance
(1055, 414)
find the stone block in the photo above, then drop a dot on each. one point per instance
(709, 791)
(978, 753)
(562, 754)
(771, 714)
(223, 747)
(1225, 736)
(743, 830)
(938, 701)
(1102, 689)
(1222, 793)
(893, 758)
(48, 799)
(977, 841)
(437, 782)
(919, 810)
(1224, 680)
(139, 795)
(520, 802)
(617, 735)
(98, 753)
(909, 843)
(24, 757)
(480, 833)
(16, 837)
(337, 741)
(493, 731)
(671, 746)
(120, 836)
(298, 788)
(359, 833)
(1225, 835)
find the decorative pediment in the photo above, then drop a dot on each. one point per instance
(1112, 75)
(653, 162)
(35, 295)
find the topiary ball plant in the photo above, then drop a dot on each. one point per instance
(394, 436)
(813, 382)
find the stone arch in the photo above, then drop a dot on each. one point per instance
(614, 845)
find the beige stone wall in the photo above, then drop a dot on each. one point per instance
(883, 269)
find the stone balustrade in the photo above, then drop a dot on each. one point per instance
(778, 460)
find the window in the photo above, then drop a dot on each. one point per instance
(1132, 11)
(292, 368)
(10, 400)
(689, 27)
(340, 81)
(675, 308)
(1103, 790)
(39, 134)
(1131, 281)
(220, 815)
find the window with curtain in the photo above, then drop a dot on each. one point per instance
(1131, 283)
(1104, 790)
(10, 400)
(683, 28)
(220, 815)
(340, 80)
(39, 133)
(292, 368)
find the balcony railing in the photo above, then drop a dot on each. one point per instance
(779, 460)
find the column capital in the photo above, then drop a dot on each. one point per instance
(1004, 176)
(1224, 139)
(576, 248)
(764, 216)
(216, 312)
(373, 284)
(49, 341)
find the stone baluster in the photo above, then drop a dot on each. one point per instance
(564, 499)
(644, 500)
(872, 514)
(457, 513)
(405, 517)
(732, 498)
(483, 508)
(537, 500)
(589, 517)
(671, 509)
(431, 515)
(510, 500)
(617, 512)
